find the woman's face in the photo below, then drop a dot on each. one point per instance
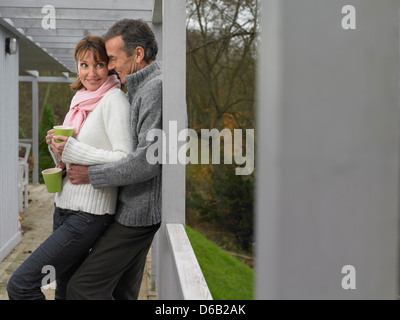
(93, 74)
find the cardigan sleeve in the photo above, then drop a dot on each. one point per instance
(116, 115)
(135, 167)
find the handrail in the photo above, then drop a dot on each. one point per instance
(190, 278)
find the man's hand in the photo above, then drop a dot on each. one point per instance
(78, 174)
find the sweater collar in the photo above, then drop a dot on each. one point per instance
(135, 79)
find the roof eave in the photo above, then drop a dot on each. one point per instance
(31, 55)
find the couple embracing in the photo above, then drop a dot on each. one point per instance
(109, 209)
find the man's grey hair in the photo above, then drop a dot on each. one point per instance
(135, 33)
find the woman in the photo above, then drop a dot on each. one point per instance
(100, 115)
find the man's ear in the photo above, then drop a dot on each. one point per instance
(139, 54)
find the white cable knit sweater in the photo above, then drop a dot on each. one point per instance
(105, 137)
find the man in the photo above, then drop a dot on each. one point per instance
(114, 267)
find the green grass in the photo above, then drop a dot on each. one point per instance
(227, 277)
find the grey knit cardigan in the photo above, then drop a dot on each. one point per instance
(139, 194)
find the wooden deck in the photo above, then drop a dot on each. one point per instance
(37, 224)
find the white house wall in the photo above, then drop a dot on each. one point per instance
(9, 232)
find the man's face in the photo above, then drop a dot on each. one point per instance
(119, 61)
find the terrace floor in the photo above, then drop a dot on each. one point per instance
(37, 224)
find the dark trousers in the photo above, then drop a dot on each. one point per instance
(114, 267)
(74, 233)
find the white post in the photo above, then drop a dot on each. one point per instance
(174, 110)
(328, 150)
(157, 27)
(35, 130)
(9, 68)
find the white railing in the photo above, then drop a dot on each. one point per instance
(177, 273)
(191, 282)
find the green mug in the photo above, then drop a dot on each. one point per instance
(53, 179)
(65, 131)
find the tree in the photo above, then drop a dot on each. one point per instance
(226, 203)
(221, 62)
(221, 40)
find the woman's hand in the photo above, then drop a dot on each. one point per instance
(49, 137)
(56, 147)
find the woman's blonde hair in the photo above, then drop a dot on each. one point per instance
(98, 48)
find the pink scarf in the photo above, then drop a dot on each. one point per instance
(85, 102)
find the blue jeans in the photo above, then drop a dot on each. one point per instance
(74, 233)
